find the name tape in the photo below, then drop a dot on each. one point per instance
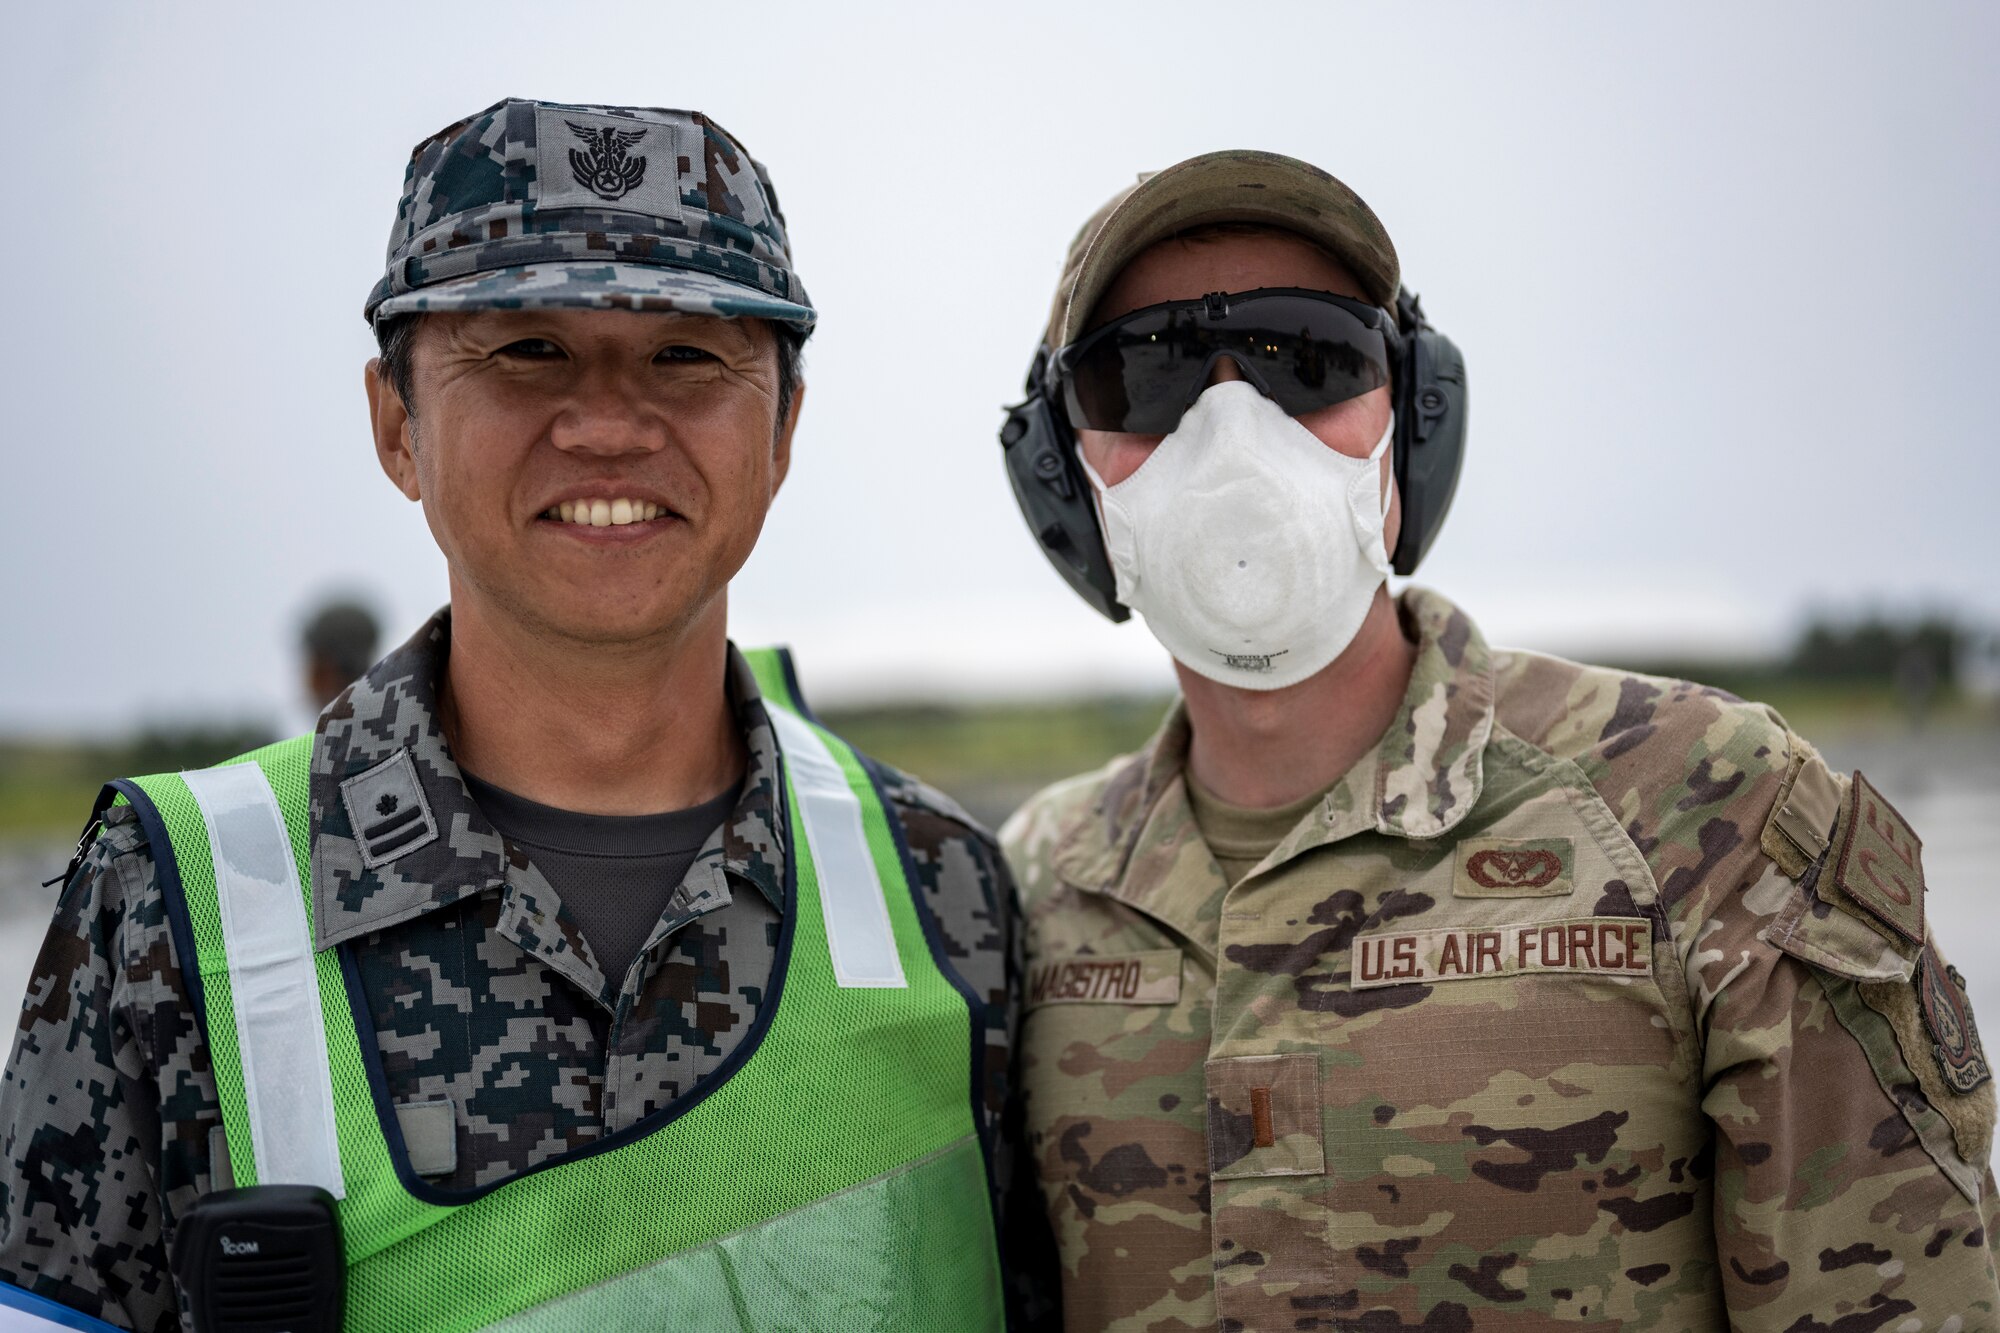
(1153, 977)
(1614, 946)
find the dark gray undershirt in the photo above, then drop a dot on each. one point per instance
(615, 874)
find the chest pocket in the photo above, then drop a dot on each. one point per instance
(430, 1139)
(1264, 1116)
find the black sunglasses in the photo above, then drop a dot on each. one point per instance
(1302, 349)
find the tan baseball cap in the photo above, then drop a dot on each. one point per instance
(1236, 185)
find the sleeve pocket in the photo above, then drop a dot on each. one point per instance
(1928, 1062)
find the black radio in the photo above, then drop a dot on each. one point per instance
(265, 1259)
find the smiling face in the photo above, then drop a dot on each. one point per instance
(591, 475)
(1239, 259)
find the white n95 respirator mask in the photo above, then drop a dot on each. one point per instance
(1252, 549)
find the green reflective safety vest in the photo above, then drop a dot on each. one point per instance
(827, 1177)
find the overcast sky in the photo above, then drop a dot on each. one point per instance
(1724, 275)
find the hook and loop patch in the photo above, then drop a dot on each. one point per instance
(1877, 863)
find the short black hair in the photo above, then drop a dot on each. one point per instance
(396, 337)
(343, 633)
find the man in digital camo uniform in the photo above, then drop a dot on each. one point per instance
(585, 979)
(1404, 982)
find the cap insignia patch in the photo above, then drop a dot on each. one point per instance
(611, 165)
(604, 165)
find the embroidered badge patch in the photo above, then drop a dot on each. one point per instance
(1948, 1017)
(1877, 861)
(1513, 868)
(590, 161)
(1153, 977)
(1616, 946)
(387, 810)
(606, 162)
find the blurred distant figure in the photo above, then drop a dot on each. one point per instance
(1917, 680)
(1978, 669)
(339, 644)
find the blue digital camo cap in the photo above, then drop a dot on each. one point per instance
(537, 204)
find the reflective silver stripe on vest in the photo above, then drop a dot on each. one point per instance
(280, 1037)
(858, 933)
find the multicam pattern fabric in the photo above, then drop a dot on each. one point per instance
(481, 989)
(1237, 184)
(1731, 1138)
(551, 204)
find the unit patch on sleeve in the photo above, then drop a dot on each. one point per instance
(1153, 977)
(1513, 868)
(1877, 862)
(1616, 946)
(1948, 1016)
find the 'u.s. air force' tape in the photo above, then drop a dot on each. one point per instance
(1616, 946)
(25, 1312)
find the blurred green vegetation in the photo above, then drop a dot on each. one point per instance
(992, 757)
(1864, 673)
(1840, 678)
(47, 787)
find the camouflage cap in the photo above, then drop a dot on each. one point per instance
(1236, 185)
(536, 204)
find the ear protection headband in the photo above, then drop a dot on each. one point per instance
(1427, 379)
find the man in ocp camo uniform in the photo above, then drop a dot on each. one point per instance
(568, 968)
(1405, 982)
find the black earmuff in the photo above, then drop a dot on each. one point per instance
(1054, 494)
(1428, 449)
(1429, 446)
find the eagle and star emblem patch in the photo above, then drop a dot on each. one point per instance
(605, 165)
(611, 163)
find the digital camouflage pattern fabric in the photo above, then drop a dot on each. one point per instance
(484, 996)
(1539, 1019)
(552, 204)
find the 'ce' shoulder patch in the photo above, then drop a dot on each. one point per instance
(1876, 862)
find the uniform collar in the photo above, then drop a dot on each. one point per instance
(1421, 780)
(396, 833)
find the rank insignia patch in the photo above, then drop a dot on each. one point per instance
(1948, 1017)
(1513, 868)
(387, 810)
(1877, 862)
